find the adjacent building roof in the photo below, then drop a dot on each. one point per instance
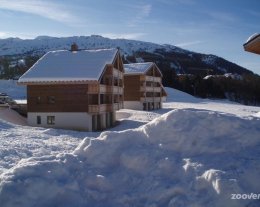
(64, 65)
(138, 68)
(253, 44)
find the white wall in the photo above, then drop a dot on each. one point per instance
(64, 120)
(136, 105)
(164, 98)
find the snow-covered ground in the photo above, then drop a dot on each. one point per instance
(193, 152)
(180, 100)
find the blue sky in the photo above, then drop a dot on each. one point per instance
(207, 26)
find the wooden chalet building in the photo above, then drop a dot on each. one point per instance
(253, 44)
(76, 89)
(143, 88)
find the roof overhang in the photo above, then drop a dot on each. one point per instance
(73, 82)
(145, 71)
(253, 44)
(135, 73)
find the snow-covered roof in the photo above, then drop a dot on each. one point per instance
(137, 68)
(253, 44)
(252, 37)
(64, 65)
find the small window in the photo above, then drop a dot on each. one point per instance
(38, 100)
(51, 99)
(39, 120)
(51, 120)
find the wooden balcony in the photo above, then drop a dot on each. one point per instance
(157, 99)
(146, 99)
(117, 90)
(110, 89)
(117, 73)
(150, 99)
(104, 108)
(99, 108)
(117, 106)
(150, 89)
(153, 79)
(157, 89)
(114, 72)
(146, 89)
(93, 88)
(104, 89)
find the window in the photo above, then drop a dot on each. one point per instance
(51, 99)
(38, 100)
(39, 121)
(51, 120)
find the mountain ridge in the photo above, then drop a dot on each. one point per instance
(181, 60)
(42, 44)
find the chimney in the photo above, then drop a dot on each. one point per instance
(74, 47)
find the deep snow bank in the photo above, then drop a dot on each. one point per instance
(18, 142)
(12, 116)
(183, 158)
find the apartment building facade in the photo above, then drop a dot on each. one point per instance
(75, 89)
(143, 88)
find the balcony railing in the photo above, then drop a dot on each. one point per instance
(93, 88)
(117, 106)
(153, 78)
(117, 90)
(115, 72)
(103, 88)
(157, 89)
(104, 107)
(150, 99)
(99, 108)
(146, 88)
(110, 89)
(150, 89)
(157, 99)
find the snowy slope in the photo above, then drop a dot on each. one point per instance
(193, 152)
(181, 100)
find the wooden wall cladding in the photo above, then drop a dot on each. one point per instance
(67, 98)
(132, 88)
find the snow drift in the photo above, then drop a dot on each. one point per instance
(183, 158)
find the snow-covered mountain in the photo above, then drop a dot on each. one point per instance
(168, 57)
(43, 44)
